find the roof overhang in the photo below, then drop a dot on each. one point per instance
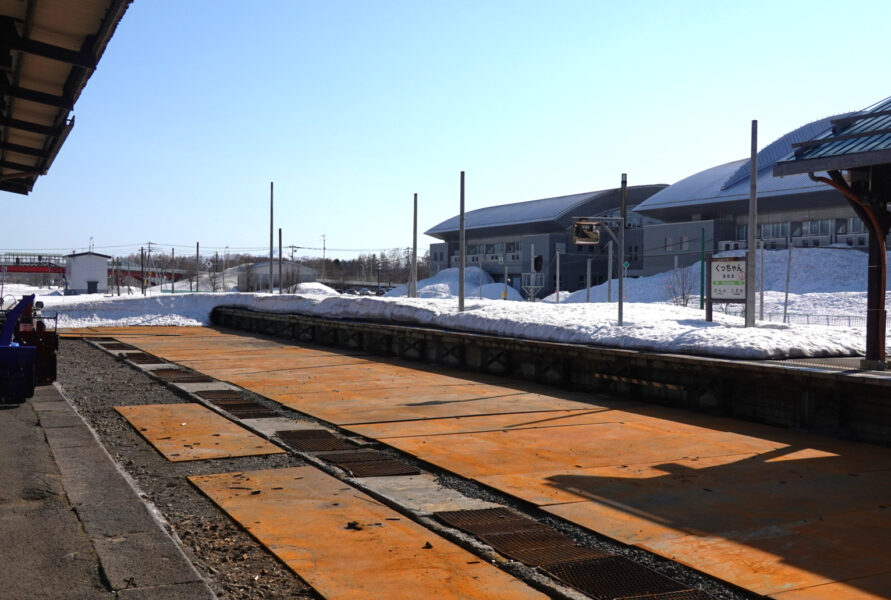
(48, 50)
(854, 141)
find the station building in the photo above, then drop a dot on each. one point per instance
(524, 238)
(712, 206)
(667, 226)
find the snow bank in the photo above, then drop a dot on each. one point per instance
(650, 323)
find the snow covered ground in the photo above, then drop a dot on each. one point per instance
(824, 281)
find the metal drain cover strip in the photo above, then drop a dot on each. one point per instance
(117, 346)
(142, 358)
(683, 595)
(313, 440)
(181, 376)
(612, 577)
(219, 394)
(488, 520)
(539, 547)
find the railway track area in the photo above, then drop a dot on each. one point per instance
(292, 470)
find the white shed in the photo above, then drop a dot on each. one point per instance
(86, 273)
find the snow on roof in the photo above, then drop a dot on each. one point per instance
(530, 211)
(730, 182)
(543, 210)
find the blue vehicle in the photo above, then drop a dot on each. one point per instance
(27, 352)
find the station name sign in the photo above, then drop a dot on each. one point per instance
(728, 280)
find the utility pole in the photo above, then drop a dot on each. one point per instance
(413, 276)
(702, 268)
(753, 223)
(172, 274)
(323, 255)
(197, 266)
(622, 246)
(142, 269)
(281, 282)
(462, 250)
(270, 237)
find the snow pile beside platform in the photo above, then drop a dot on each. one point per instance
(650, 323)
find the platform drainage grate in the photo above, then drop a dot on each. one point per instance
(355, 456)
(612, 577)
(682, 595)
(244, 409)
(369, 463)
(488, 520)
(313, 440)
(219, 394)
(181, 376)
(539, 547)
(141, 358)
(117, 346)
(387, 467)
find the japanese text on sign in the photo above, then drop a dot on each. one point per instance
(729, 279)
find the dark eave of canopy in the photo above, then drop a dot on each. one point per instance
(48, 50)
(861, 139)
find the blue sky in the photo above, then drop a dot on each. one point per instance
(351, 107)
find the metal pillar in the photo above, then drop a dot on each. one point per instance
(280, 280)
(588, 281)
(753, 224)
(462, 251)
(622, 247)
(270, 237)
(413, 276)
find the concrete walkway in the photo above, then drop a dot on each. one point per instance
(72, 525)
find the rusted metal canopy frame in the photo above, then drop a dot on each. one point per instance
(877, 224)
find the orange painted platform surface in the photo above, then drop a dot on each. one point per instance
(346, 545)
(774, 511)
(184, 432)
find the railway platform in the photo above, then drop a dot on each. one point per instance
(777, 512)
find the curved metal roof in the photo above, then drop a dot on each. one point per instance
(729, 183)
(543, 211)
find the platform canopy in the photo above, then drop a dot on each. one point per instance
(48, 50)
(860, 145)
(856, 140)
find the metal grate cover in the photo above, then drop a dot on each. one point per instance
(141, 358)
(181, 376)
(380, 468)
(539, 547)
(313, 440)
(488, 520)
(612, 577)
(117, 346)
(259, 413)
(219, 394)
(684, 595)
(354, 456)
